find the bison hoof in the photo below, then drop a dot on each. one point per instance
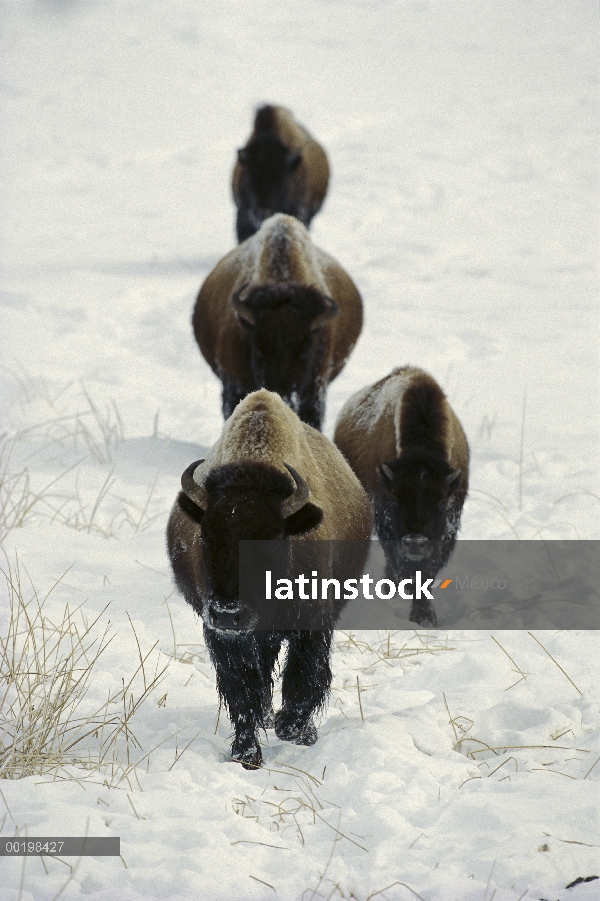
(250, 758)
(424, 615)
(288, 727)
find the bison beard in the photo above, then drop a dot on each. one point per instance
(244, 665)
(284, 327)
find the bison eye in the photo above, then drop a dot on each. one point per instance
(442, 504)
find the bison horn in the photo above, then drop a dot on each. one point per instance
(331, 310)
(452, 476)
(293, 158)
(387, 472)
(192, 488)
(300, 496)
(241, 307)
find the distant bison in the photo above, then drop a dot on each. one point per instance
(407, 447)
(269, 476)
(281, 169)
(278, 313)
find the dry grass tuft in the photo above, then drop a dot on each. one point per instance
(95, 433)
(290, 805)
(548, 754)
(18, 499)
(387, 648)
(46, 668)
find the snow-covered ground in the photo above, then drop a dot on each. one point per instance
(463, 139)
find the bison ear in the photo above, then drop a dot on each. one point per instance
(243, 155)
(241, 308)
(293, 160)
(330, 311)
(308, 517)
(454, 479)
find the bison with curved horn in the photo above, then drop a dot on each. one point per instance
(269, 477)
(281, 314)
(281, 169)
(408, 448)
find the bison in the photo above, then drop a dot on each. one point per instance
(281, 169)
(269, 476)
(407, 447)
(281, 314)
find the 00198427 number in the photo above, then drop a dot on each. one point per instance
(41, 846)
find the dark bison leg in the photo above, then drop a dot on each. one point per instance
(269, 644)
(242, 687)
(230, 396)
(306, 682)
(311, 409)
(422, 611)
(243, 226)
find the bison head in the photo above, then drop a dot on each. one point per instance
(421, 487)
(284, 325)
(267, 164)
(237, 502)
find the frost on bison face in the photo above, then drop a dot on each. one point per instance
(417, 519)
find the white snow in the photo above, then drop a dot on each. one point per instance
(463, 140)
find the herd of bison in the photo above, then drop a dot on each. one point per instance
(276, 320)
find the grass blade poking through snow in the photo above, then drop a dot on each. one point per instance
(47, 663)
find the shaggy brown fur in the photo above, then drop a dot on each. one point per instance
(406, 409)
(285, 283)
(243, 483)
(407, 447)
(281, 169)
(264, 430)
